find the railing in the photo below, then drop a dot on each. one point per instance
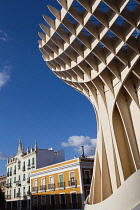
(28, 193)
(61, 185)
(87, 181)
(8, 196)
(28, 180)
(28, 167)
(8, 185)
(51, 186)
(43, 187)
(24, 196)
(18, 195)
(33, 165)
(18, 183)
(34, 189)
(72, 183)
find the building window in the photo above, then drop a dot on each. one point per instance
(15, 169)
(23, 177)
(28, 166)
(74, 203)
(14, 193)
(18, 194)
(28, 192)
(23, 169)
(72, 181)
(43, 200)
(61, 183)
(35, 188)
(52, 201)
(24, 191)
(19, 164)
(8, 172)
(43, 184)
(11, 171)
(62, 201)
(15, 179)
(87, 177)
(33, 162)
(35, 201)
(51, 185)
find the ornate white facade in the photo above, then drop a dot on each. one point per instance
(94, 46)
(19, 168)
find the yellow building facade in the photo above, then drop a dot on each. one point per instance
(62, 186)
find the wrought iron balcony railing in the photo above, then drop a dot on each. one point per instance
(61, 185)
(18, 183)
(28, 180)
(8, 197)
(35, 189)
(43, 187)
(72, 183)
(8, 185)
(51, 186)
(28, 193)
(18, 195)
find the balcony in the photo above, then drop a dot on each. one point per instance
(14, 172)
(18, 195)
(51, 186)
(23, 169)
(24, 179)
(8, 185)
(18, 183)
(28, 180)
(72, 183)
(43, 188)
(87, 181)
(28, 167)
(8, 197)
(61, 185)
(35, 189)
(33, 165)
(24, 196)
(28, 193)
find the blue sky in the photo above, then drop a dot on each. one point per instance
(35, 104)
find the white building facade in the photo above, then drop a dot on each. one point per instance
(19, 168)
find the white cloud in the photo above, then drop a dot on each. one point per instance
(77, 141)
(3, 36)
(4, 75)
(2, 156)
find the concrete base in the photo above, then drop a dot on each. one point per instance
(127, 197)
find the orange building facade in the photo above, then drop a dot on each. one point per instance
(62, 186)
